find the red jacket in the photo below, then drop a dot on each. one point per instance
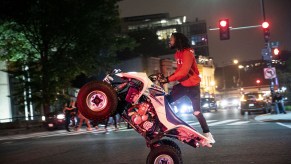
(187, 71)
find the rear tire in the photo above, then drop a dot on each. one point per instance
(164, 153)
(97, 100)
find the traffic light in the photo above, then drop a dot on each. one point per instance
(265, 26)
(224, 29)
(258, 81)
(276, 51)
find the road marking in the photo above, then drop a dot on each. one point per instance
(197, 123)
(239, 123)
(222, 122)
(123, 129)
(288, 126)
(8, 142)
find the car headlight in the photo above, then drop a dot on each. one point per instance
(206, 105)
(43, 118)
(223, 103)
(235, 102)
(60, 116)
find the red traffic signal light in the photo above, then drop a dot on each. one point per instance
(276, 51)
(224, 29)
(258, 81)
(222, 23)
(265, 25)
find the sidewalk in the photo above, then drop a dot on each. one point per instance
(274, 117)
(6, 132)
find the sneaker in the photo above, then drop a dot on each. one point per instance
(209, 137)
(89, 129)
(116, 129)
(68, 129)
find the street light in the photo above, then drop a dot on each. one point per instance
(235, 61)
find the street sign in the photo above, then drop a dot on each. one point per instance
(274, 44)
(270, 73)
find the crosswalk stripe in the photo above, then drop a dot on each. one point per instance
(123, 129)
(287, 126)
(239, 123)
(197, 123)
(222, 122)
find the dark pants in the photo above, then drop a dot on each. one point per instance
(114, 119)
(193, 93)
(68, 120)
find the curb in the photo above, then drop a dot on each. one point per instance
(274, 118)
(8, 132)
(271, 120)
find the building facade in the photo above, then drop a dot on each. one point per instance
(164, 25)
(5, 101)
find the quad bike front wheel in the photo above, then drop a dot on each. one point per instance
(166, 142)
(164, 154)
(97, 100)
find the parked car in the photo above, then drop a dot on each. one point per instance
(208, 104)
(54, 120)
(254, 102)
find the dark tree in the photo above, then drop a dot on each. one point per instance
(148, 44)
(54, 40)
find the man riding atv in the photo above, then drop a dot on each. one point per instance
(188, 75)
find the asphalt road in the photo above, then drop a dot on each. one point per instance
(239, 139)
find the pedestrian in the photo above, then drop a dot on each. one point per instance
(68, 108)
(95, 124)
(115, 123)
(81, 120)
(187, 75)
(279, 103)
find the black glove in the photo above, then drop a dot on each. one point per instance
(163, 79)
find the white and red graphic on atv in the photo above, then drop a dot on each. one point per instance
(141, 103)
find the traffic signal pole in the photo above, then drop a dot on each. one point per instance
(224, 29)
(263, 9)
(267, 45)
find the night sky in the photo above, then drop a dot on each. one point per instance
(244, 45)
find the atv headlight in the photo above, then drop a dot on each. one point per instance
(184, 108)
(60, 116)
